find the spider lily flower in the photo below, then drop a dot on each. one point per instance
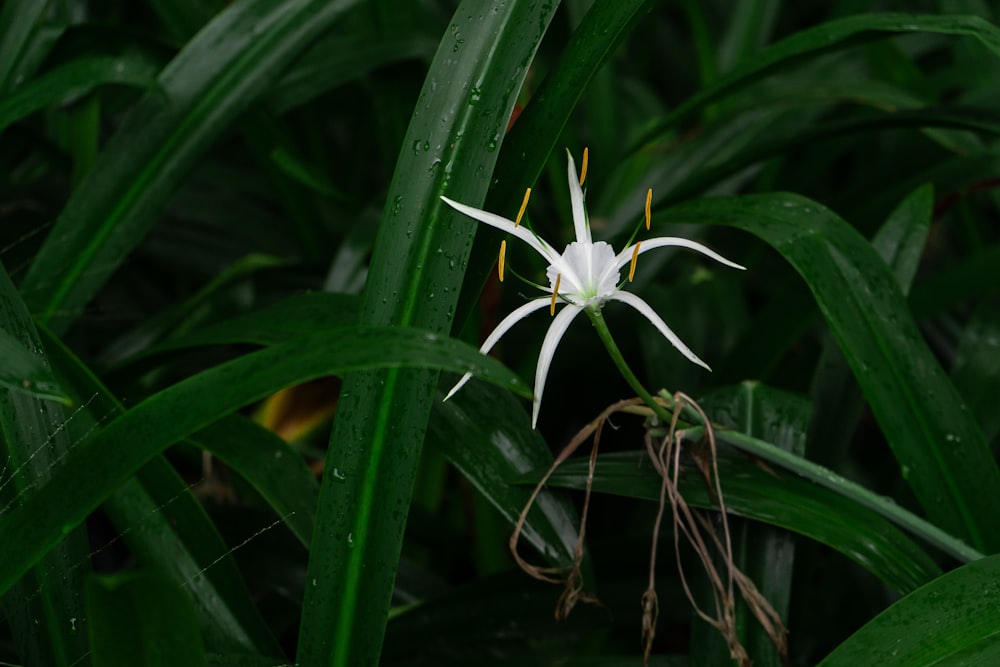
(585, 276)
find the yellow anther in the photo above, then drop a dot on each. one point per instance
(583, 169)
(649, 199)
(524, 205)
(503, 253)
(635, 257)
(555, 293)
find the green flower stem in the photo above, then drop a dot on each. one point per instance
(881, 505)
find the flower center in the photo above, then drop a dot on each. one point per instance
(587, 273)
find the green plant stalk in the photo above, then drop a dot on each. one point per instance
(885, 507)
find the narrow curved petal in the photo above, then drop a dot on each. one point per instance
(547, 252)
(625, 256)
(505, 325)
(580, 225)
(555, 333)
(646, 311)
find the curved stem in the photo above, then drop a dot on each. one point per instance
(616, 355)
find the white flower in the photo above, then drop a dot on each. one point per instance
(585, 276)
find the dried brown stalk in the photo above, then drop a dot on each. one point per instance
(696, 528)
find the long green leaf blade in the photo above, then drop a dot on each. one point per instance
(33, 442)
(417, 268)
(216, 77)
(940, 448)
(97, 467)
(824, 38)
(954, 620)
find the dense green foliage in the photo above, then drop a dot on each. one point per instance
(204, 204)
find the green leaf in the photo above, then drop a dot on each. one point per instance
(775, 498)
(217, 76)
(18, 22)
(141, 619)
(486, 435)
(98, 466)
(165, 526)
(940, 449)
(179, 317)
(338, 59)
(764, 554)
(22, 371)
(417, 267)
(75, 78)
(821, 39)
(275, 470)
(296, 316)
(33, 442)
(954, 620)
(976, 371)
(837, 400)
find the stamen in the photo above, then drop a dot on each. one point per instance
(503, 253)
(583, 169)
(524, 205)
(555, 293)
(649, 198)
(635, 256)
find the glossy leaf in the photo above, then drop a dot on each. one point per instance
(295, 316)
(940, 449)
(97, 467)
(485, 434)
(764, 554)
(950, 621)
(22, 371)
(33, 442)
(416, 270)
(75, 78)
(822, 39)
(199, 94)
(166, 527)
(267, 463)
(775, 498)
(838, 402)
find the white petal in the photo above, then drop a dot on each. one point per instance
(505, 325)
(625, 256)
(555, 333)
(576, 197)
(646, 311)
(547, 252)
